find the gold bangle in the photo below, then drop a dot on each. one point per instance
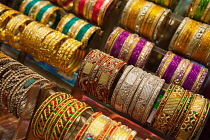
(96, 127)
(125, 13)
(191, 119)
(186, 73)
(193, 7)
(4, 7)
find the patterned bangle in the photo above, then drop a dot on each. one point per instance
(191, 118)
(43, 112)
(144, 97)
(107, 128)
(67, 109)
(169, 101)
(201, 122)
(129, 98)
(105, 78)
(143, 79)
(119, 84)
(183, 112)
(87, 124)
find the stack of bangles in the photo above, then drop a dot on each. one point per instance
(65, 4)
(62, 117)
(177, 70)
(15, 82)
(166, 3)
(144, 18)
(181, 114)
(76, 28)
(42, 42)
(128, 47)
(135, 92)
(191, 39)
(92, 10)
(42, 11)
(199, 10)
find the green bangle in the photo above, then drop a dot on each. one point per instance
(57, 19)
(29, 6)
(69, 24)
(42, 11)
(81, 33)
(201, 8)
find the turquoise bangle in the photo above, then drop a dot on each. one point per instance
(82, 31)
(57, 19)
(199, 12)
(42, 11)
(69, 24)
(29, 6)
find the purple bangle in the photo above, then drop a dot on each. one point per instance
(163, 62)
(172, 68)
(119, 43)
(201, 79)
(191, 77)
(136, 52)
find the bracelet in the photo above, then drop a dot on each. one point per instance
(96, 127)
(96, 10)
(43, 112)
(105, 78)
(119, 84)
(27, 5)
(136, 96)
(86, 125)
(191, 118)
(103, 11)
(107, 128)
(3, 7)
(144, 97)
(111, 39)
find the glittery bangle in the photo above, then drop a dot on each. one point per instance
(96, 10)
(118, 43)
(25, 9)
(144, 97)
(169, 72)
(136, 96)
(124, 16)
(119, 84)
(108, 126)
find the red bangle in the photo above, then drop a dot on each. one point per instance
(96, 10)
(81, 5)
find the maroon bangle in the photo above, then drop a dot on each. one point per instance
(119, 43)
(136, 52)
(191, 77)
(96, 10)
(172, 68)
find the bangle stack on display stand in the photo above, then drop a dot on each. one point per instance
(120, 69)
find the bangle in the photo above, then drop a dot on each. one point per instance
(81, 7)
(27, 5)
(96, 127)
(96, 10)
(200, 9)
(111, 39)
(200, 54)
(105, 78)
(119, 84)
(136, 96)
(103, 11)
(86, 125)
(4, 7)
(118, 43)
(43, 112)
(107, 128)
(67, 4)
(191, 118)
(144, 97)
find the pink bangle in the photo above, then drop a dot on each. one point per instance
(81, 5)
(96, 10)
